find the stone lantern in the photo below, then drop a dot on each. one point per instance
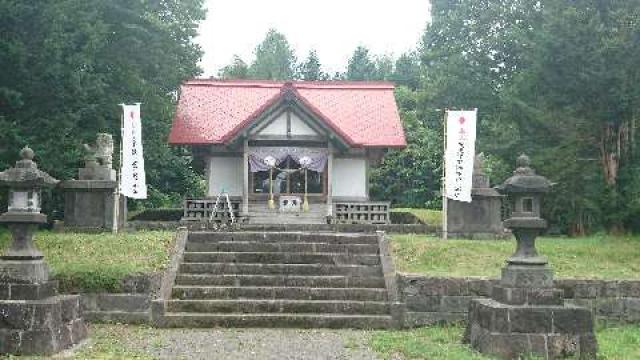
(526, 314)
(23, 261)
(34, 319)
(525, 190)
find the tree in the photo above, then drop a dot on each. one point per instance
(384, 65)
(410, 177)
(67, 65)
(361, 66)
(578, 92)
(311, 69)
(553, 79)
(274, 60)
(407, 70)
(238, 69)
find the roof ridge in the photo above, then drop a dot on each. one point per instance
(299, 84)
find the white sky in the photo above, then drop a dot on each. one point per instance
(332, 27)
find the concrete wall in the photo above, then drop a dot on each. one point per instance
(225, 172)
(350, 178)
(131, 306)
(432, 300)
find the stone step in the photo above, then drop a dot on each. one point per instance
(280, 258)
(278, 214)
(124, 317)
(280, 269)
(293, 293)
(333, 281)
(286, 221)
(257, 246)
(335, 321)
(278, 306)
(283, 237)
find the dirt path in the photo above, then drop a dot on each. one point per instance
(115, 341)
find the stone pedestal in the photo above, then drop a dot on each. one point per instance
(479, 219)
(526, 315)
(35, 320)
(89, 204)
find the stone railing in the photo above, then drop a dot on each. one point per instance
(430, 300)
(361, 212)
(201, 209)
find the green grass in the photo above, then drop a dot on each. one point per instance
(443, 342)
(97, 262)
(430, 217)
(595, 257)
(107, 342)
(434, 342)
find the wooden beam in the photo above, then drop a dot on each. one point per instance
(329, 181)
(245, 171)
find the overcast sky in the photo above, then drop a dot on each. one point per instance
(333, 27)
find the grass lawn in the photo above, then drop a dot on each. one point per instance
(443, 342)
(430, 217)
(598, 256)
(94, 262)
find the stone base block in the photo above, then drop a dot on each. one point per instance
(512, 331)
(523, 276)
(40, 327)
(90, 204)
(528, 296)
(10, 291)
(24, 271)
(97, 173)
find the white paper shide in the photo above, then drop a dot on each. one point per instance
(133, 182)
(459, 155)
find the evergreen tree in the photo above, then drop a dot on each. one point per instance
(274, 60)
(361, 66)
(311, 69)
(407, 70)
(67, 64)
(238, 69)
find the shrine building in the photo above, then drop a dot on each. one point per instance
(288, 152)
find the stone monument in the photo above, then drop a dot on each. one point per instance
(89, 201)
(526, 314)
(34, 319)
(481, 218)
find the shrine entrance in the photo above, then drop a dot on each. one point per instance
(289, 179)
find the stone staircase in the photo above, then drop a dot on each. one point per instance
(280, 279)
(261, 214)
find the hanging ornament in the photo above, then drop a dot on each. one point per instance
(305, 162)
(271, 162)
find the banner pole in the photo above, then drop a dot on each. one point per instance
(444, 179)
(116, 195)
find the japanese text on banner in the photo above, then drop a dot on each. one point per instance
(460, 153)
(133, 182)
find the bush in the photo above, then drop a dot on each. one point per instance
(404, 217)
(161, 214)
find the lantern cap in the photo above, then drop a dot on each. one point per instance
(26, 175)
(525, 179)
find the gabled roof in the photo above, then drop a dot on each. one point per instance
(363, 114)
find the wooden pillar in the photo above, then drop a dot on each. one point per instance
(329, 181)
(245, 172)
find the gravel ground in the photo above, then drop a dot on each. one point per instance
(254, 344)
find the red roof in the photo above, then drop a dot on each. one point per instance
(364, 114)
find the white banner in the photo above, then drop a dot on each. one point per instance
(133, 183)
(459, 154)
